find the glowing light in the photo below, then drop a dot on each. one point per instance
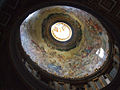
(100, 52)
(61, 31)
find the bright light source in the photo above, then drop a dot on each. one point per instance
(100, 52)
(61, 31)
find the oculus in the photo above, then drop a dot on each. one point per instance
(61, 31)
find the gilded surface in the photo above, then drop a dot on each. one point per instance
(61, 31)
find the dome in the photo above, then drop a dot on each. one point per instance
(65, 42)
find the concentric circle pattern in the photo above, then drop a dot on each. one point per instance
(76, 49)
(68, 20)
(61, 31)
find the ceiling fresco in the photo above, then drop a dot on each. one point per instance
(85, 51)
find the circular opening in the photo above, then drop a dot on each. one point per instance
(61, 31)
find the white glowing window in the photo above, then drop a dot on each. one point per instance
(100, 52)
(61, 31)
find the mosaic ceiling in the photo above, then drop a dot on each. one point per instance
(65, 41)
